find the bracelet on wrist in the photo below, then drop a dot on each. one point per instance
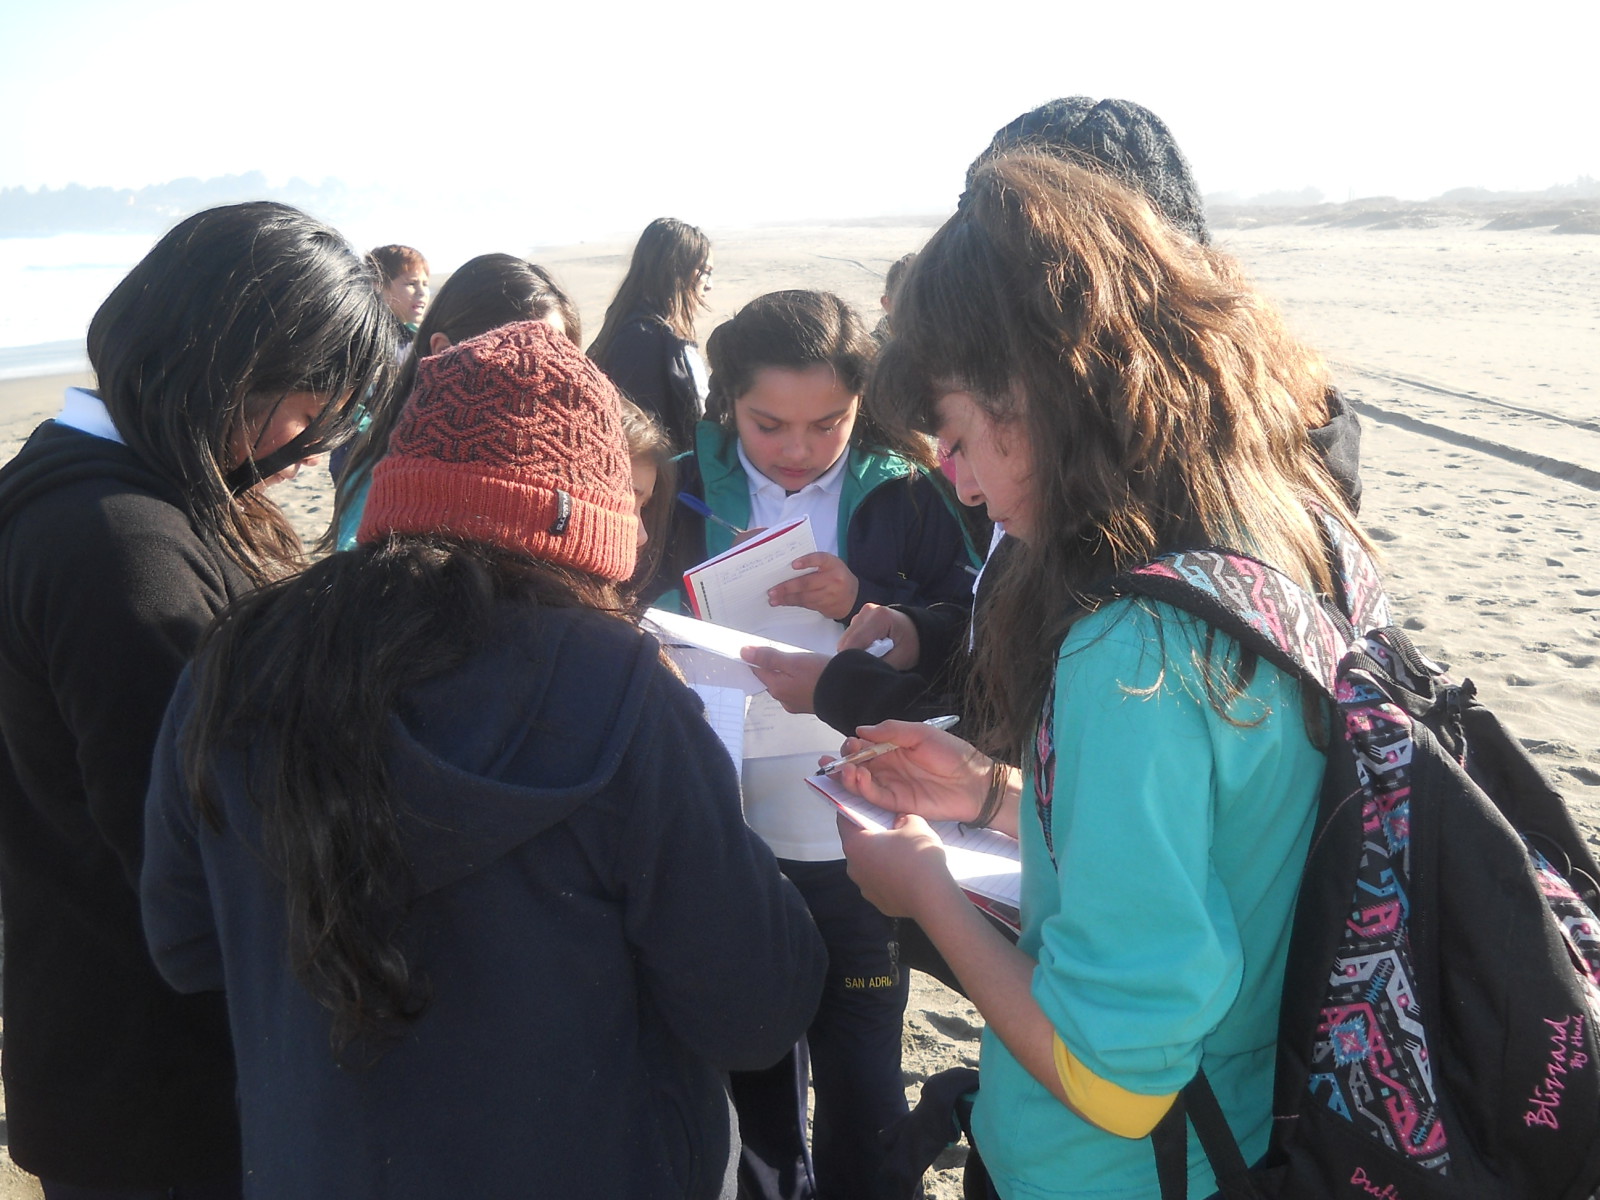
(992, 799)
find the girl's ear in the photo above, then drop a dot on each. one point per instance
(438, 343)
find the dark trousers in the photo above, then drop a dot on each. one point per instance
(212, 1191)
(853, 1045)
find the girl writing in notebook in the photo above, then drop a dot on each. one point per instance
(785, 437)
(1110, 389)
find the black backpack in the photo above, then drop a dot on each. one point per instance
(1437, 1036)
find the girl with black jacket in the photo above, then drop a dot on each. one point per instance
(228, 355)
(647, 342)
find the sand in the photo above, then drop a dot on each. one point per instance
(1470, 354)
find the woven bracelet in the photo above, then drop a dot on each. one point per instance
(991, 801)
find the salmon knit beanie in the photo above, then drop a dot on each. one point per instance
(512, 438)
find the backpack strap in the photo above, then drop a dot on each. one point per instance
(1222, 1150)
(1258, 606)
(1267, 612)
(1170, 1138)
(1358, 585)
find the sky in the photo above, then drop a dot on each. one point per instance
(587, 119)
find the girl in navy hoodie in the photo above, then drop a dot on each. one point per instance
(454, 841)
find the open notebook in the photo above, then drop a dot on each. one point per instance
(731, 588)
(986, 864)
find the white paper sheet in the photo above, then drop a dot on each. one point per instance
(769, 731)
(708, 653)
(725, 714)
(983, 861)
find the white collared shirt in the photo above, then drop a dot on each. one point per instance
(770, 505)
(84, 411)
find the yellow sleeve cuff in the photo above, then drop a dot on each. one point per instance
(1113, 1108)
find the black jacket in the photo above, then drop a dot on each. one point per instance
(112, 1079)
(651, 364)
(602, 935)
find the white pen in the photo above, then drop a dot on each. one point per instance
(871, 752)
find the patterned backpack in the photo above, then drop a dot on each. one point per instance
(1437, 1037)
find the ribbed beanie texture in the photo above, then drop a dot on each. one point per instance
(1122, 138)
(512, 438)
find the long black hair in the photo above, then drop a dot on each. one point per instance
(482, 294)
(305, 673)
(234, 309)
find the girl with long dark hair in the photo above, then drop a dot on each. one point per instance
(1111, 389)
(458, 844)
(229, 354)
(484, 292)
(647, 341)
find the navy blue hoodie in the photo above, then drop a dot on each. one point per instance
(602, 935)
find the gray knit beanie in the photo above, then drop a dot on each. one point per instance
(1125, 139)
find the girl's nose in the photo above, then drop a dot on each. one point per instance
(967, 489)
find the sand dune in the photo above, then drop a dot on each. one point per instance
(1470, 354)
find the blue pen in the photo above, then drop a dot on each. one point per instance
(690, 500)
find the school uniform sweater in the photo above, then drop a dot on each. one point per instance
(112, 1079)
(601, 935)
(897, 532)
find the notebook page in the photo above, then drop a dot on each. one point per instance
(984, 861)
(732, 589)
(725, 714)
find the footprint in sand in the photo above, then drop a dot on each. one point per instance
(953, 1025)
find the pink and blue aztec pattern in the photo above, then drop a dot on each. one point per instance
(1290, 619)
(1371, 1065)
(1575, 924)
(1365, 604)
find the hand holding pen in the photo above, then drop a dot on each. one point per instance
(936, 775)
(878, 749)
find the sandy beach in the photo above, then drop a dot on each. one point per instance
(1470, 353)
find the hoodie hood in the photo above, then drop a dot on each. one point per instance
(555, 695)
(57, 456)
(1339, 443)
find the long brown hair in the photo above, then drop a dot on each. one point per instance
(662, 282)
(648, 440)
(1163, 402)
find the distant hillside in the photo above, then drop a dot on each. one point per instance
(1569, 208)
(153, 209)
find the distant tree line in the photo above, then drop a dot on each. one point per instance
(78, 209)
